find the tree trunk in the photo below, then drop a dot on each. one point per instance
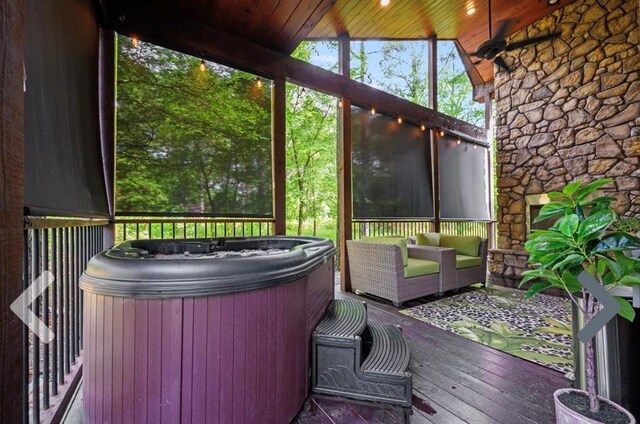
(594, 404)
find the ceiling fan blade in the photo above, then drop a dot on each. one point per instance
(529, 41)
(501, 63)
(503, 29)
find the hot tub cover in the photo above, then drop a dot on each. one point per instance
(130, 269)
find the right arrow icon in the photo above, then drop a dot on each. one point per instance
(609, 310)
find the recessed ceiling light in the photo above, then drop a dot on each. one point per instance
(471, 10)
(385, 3)
(552, 2)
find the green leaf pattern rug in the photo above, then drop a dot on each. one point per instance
(537, 329)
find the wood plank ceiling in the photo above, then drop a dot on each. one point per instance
(283, 24)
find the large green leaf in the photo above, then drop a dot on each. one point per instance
(582, 193)
(537, 288)
(616, 241)
(551, 210)
(568, 224)
(626, 310)
(596, 223)
(571, 188)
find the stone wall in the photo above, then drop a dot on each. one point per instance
(569, 109)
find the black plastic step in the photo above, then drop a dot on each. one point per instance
(345, 318)
(358, 360)
(389, 352)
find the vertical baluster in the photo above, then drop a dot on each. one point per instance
(66, 316)
(162, 230)
(59, 285)
(184, 230)
(46, 396)
(150, 234)
(54, 310)
(76, 289)
(35, 379)
(173, 233)
(195, 230)
(26, 260)
(137, 231)
(74, 295)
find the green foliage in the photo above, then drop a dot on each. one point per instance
(580, 240)
(190, 140)
(628, 224)
(311, 157)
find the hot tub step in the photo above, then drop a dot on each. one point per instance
(366, 362)
(343, 322)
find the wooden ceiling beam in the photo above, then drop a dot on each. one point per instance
(200, 40)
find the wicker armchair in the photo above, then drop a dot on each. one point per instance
(377, 269)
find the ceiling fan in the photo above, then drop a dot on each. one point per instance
(496, 44)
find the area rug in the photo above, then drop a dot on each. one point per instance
(536, 329)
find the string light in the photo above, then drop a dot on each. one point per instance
(340, 103)
(471, 10)
(423, 127)
(373, 110)
(399, 119)
(203, 66)
(259, 83)
(458, 142)
(441, 133)
(134, 42)
(385, 3)
(475, 146)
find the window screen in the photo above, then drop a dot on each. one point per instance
(193, 137)
(391, 168)
(463, 180)
(63, 158)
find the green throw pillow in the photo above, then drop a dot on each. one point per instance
(428, 239)
(464, 245)
(400, 242)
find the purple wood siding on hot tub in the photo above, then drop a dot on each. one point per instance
(241, 357)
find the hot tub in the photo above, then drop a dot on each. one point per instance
(204, 330)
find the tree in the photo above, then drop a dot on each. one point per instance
(311, 153)
(190, 140)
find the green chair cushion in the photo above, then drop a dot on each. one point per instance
(400, 242)
(428, 239)
(464, 245)
(418, 267)
(463, 261)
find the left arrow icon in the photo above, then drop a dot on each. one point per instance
(20, 307)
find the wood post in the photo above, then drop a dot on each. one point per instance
(279, 161)
(344, 167)
(490, 188)
(432, 77)
(12, 364)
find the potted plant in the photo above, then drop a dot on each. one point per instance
(581, 239)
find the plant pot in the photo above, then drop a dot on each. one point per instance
(566, 415)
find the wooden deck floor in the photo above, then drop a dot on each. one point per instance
(455, 380)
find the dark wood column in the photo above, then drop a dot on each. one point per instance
(432, 78)
(11, 203)
(432, 66)
(344, 166)
(279, 162)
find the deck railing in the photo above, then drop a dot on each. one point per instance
(161, 228)
(406, 228)
(465, 228)
(62, 247)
